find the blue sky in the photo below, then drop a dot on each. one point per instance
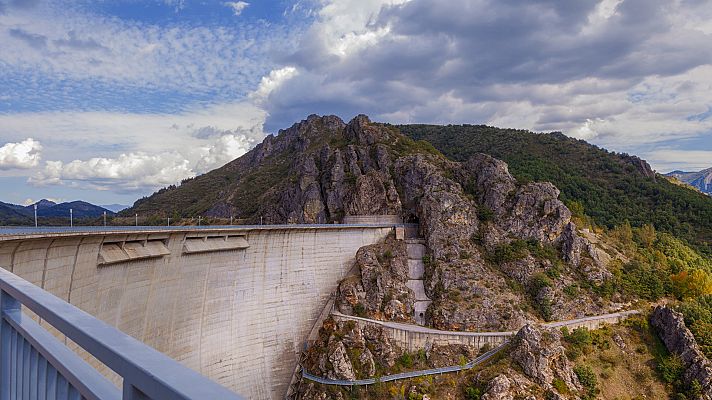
(108, 101)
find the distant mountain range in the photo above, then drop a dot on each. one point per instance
(701, 180)
(13, 214)
(115, 207)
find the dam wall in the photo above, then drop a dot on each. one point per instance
(234, 304)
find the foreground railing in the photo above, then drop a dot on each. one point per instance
(36, 365)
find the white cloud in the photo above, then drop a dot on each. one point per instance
(125, 173)
(271, 82)
(66, 44)
(666, 160)
(237, 6)
(623, 74)
(22, 155)
(226, 148)
(137, 152)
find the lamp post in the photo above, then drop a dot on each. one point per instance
(136, 219)
(71, 217)
(169, 221)
(35, 215)
(104, 218)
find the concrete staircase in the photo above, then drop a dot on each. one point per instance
(416, 270)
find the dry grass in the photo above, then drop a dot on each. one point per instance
(626, 373)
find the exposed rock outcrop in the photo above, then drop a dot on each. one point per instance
(678, 339)
(499, 388)
(378, 289)
(640, 165)
(542, 357)
(584, 255)
(465, 212)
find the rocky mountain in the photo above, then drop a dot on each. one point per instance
(80, 209)
(12, 214)
(484, 229)
(611, 188)
(701, 180)
(502, 252)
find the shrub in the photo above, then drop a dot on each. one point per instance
(560, 386)
(580, 341)
(539, 281)
(509, 252)
(571, 290)
(406, 360)
(472, 393)
(359, 310)
(485, 214)
(587, 378)
(671, 368)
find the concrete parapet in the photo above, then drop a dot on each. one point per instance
(372, 219)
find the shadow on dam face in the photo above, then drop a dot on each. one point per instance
(233, 304)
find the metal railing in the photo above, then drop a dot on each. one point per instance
(405, 375)
(36, 365)
(52, 230)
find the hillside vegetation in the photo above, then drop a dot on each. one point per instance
(613, 188)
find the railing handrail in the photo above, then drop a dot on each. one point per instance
(406, 375)
(148, 370)
(119, 229)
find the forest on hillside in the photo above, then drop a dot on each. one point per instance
(611, 187)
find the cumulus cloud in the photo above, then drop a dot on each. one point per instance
(237, 6)
(155, 149)
(125, 173)
(621, 73)
(225, 149)
(22, 155)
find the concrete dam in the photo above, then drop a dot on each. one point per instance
(233, 303)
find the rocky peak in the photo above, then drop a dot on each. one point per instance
(491, 179)
(641, 165)
(361, 131)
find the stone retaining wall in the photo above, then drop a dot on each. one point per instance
(413, 338)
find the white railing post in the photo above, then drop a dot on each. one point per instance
(7, 303)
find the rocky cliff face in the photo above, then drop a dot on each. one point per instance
(538, 359)
(679, 340)
(483, 229)
(379, 288)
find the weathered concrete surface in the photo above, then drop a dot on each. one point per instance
(416, 272)
(239, 317)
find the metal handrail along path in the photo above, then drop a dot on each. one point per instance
(35, 364)
(405, 375)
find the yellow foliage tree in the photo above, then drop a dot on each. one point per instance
(691, 283)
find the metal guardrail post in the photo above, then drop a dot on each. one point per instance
(131, 393)
(7, 303)
(147, 373)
